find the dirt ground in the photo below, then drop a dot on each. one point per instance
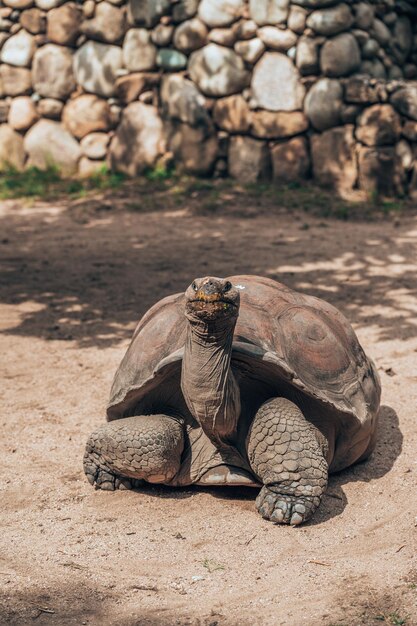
(73, 284)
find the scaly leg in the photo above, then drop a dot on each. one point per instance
(125, 452)
(287, 453)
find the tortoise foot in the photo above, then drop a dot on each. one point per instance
(105, 479)
(282, 508)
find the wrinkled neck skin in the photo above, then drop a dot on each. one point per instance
(207, 381)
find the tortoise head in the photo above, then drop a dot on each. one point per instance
(210, 298)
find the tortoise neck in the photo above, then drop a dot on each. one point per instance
(207, 381)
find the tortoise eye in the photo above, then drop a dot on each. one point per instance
(227, 286)
(194, 285)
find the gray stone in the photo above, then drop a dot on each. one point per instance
(334, 158)
(405, 101)
(276, 84)
(277, 38)
(139, 53)
(218, 71)
(249, 159)
(370, 48)
(402, 39)
(378, 125)
(18, 4)
(184, 9)
(18, 50)
(148, 12)
(323, 104)
(217, 13)
(245, 29)
(297, 19)
(307, 56)
(52, 72)
(138, 140)
(361, 90)
(107, 25)
(162, 34)
(48, 143)
(380, 171)
(171, 60)
(96, 66)
(340, 55)
(22, 113)
(194, 149)
(51, 108)
(232, 114)
(395, 73)
(46, 5)
(265, 12)
(182, 101)
(380, 32)
(277, 125)
(361, 36)
(94, 145)
(410, 130)
(64, 24)
(86, 114)
(331, 21)
(374, 68)
(190, 35)
(12, 153)
(364, 14)
(250, 51)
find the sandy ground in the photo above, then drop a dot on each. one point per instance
(71, 291)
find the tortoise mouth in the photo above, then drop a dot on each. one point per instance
(211, 306)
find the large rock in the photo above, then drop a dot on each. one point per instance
(276, 84)
(290, 160)
(184, 9)
(278, 125)
(333, 158)
(33, 20)
(232, 114)
(182, 101)
(108, 23)
(297, 19)
(223, 36)
(272, 12)
(402, 40)
(331, 21)
(86, 114)
(323, 104)
(14, 81)
(18, 50)
(307, 56)
(340, 56)
(22, 113)
(251, 50)
(364, 14)
(49, 143)
(249, 159)
(379, 125)
(138, 140)
(12, 153)
(361, 90)
(139, 53)
(18, 4)
(409, 130)
(191, 35)
(52, 72)
(380, 171)
(277, 38)
(96, 66)
(380, 32)
(94, 145)
(405, 101)
(162, 34)
(216, 13)
(64, 24)
(46, 5)
(218, 71)
(148, 12)
(89, 167)
(194, 149)
(128, 88)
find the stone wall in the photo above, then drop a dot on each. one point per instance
(254, 89)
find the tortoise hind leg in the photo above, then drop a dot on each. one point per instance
(125, 452)
(288, 454)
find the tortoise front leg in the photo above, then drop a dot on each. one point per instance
(287, 453)
(123, 452)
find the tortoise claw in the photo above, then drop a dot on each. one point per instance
(283, 508)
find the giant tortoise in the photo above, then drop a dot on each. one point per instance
(239, 381)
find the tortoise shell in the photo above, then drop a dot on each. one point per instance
(296, 338)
